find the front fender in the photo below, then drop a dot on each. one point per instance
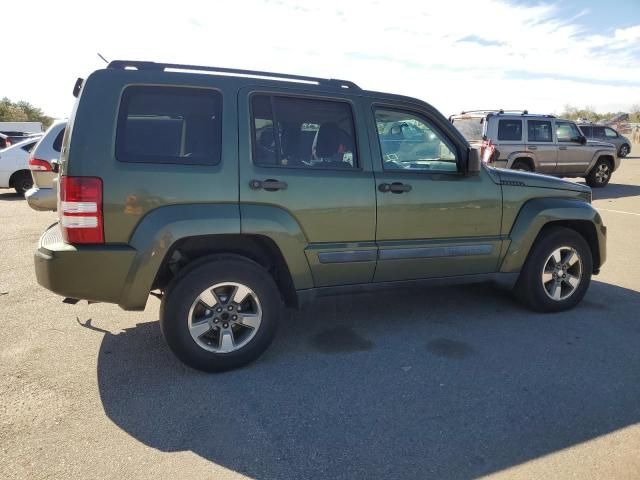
(159, 230)
(537, 213)
(600, 153)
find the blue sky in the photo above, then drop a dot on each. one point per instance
(458, 54)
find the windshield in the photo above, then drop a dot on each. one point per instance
(470, 127)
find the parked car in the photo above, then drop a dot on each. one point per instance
(539, 143)
(11, 138)
(43, 163)
(607, 134)
(14, 166)
(230, 193)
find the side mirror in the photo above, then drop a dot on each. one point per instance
(55, 166)
(474, 164)
(582, 139)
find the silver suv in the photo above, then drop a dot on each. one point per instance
(538, 143)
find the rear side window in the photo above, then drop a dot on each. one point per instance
(539, 131)
(28, 147)
(510, 130)
(170, 125)
(587, 131)
(302, 133)
(57, 143)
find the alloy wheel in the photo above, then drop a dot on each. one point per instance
(225, 317)
(602, 173)
(562, 273)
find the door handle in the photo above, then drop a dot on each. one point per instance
(395, 187)
(562, 148)
(532, 147)
(270, 185)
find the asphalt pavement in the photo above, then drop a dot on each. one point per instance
(457, 382)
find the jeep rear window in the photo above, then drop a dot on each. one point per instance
(169, 125)
(302, 133)
(510, 130)
(472, 128)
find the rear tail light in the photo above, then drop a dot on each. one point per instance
(39, 165)
(81, 210)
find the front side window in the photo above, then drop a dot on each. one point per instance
(539, 131)
(567, 132)
(610, 133)
(302, 132)
(170, 125)
(410, 142)
(510, 130)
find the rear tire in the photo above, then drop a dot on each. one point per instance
(22, 182)
(624, 150)
(522, 165)
(600, 174)
(205, 322)
(557, 272)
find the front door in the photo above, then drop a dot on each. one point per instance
(433, 220)
(573, 156)
(307, 168)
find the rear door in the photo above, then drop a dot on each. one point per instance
(541, 143)
(304, 157)
(573, 156)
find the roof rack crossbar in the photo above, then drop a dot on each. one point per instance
(142, 65)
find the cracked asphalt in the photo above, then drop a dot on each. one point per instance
(456, 382)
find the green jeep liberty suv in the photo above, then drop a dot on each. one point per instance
(231, 193)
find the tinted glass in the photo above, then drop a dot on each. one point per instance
(303, 133)
(598, 132)
(57, 143)
(410, 142)
(169, 125)
(587, 131)
(567, 132)
(28, 147)
(510, 130)
(539, 131)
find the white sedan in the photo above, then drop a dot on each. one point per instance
(14, 166)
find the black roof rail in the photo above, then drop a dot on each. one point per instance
(163, 67)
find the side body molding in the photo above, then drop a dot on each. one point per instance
(535, 214)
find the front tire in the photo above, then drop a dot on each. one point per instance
(557, 272)
(221, 314)
(600, 174)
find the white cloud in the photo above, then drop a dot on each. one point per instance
(412, 47)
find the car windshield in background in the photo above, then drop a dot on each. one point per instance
(470, 128)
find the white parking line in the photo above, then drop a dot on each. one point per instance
(618, 211)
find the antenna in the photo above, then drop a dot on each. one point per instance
(104, 59)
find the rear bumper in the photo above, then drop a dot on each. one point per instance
(92, 272)
(42, 199)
